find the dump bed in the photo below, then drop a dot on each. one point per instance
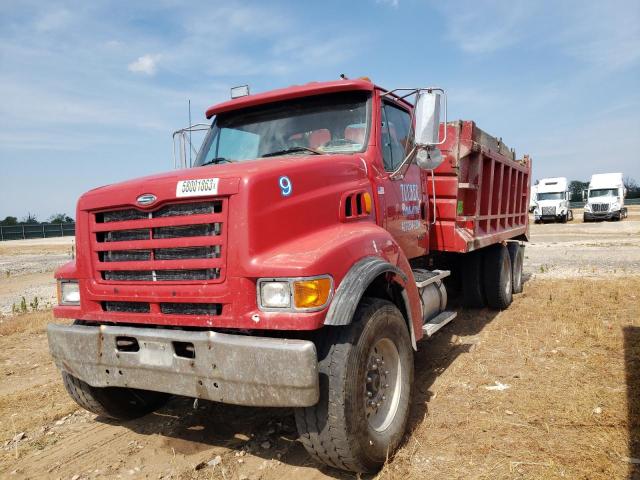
(481, 191)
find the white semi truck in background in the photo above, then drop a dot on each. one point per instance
(605, 198)
(533, 200)
(552, 201)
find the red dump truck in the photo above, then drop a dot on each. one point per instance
(296, 263)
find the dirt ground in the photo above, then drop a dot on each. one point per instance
(549, 388)
(26, 267)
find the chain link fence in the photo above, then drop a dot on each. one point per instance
(44, 230)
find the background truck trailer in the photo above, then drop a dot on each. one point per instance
(298, 263)
(605, 198)
(552, 200)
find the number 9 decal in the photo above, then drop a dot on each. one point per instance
(285, 186)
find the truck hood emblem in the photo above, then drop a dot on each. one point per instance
(146, 199)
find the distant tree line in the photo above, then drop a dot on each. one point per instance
(31, 219)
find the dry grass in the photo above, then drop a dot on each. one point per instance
(569, 352)
(33, 322)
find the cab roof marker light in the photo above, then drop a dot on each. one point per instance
(239, 91)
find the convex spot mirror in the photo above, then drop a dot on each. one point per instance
(429, 158)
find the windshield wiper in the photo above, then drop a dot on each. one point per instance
(216, 160)
(291, 150)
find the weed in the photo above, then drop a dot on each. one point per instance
(23, 305)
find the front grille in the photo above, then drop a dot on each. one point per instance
(172, 210)
(209, 309)
(187, 252)
(131, 307)
(600, 207)
(179, 242)
(124, 255)
(191, 308)
(123, 235)
(205, 230)
(548, 210)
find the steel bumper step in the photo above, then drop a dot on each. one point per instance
(437, 322)
(425, 277)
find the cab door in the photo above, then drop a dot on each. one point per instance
(402, 200)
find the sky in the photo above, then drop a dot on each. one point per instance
(90, 92)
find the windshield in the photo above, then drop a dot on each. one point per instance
(333, 123)
(551, 196)
(603, 192)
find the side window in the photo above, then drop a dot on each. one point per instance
(396, 124)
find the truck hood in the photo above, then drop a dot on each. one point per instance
(549, 203)
(231, 178)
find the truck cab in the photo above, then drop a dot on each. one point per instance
(552, 200)
(605, 198)
(296, 263)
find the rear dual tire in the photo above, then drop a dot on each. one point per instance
(492, 275)
(497, 276)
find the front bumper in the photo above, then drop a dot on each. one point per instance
(237, 369)
(542, 218)
(601, 215)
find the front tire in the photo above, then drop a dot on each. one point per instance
(118, 403)
(366, 373)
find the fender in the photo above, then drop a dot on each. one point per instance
(355, 283)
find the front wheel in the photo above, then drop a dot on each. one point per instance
(118, 403)
(366, 372)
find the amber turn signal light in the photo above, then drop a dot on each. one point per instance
(311, 293)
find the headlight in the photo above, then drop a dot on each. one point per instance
(68, 292)
(295, 294)
(587, 208)
(275, 294)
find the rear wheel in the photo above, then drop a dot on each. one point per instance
(472, 292)
(497, 277)
(114, 402)
(366, 372)
(516, 255)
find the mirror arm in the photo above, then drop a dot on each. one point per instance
(405, 163)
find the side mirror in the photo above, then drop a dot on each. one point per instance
(584, 195)
(427, 115)
(427, 128)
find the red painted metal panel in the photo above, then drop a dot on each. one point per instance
(488, 186)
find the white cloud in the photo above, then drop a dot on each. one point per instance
(147, 64)
(596, 34)
(53, 21)
(486, 28)
(601, 34)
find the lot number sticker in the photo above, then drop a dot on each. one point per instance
(197, 187)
